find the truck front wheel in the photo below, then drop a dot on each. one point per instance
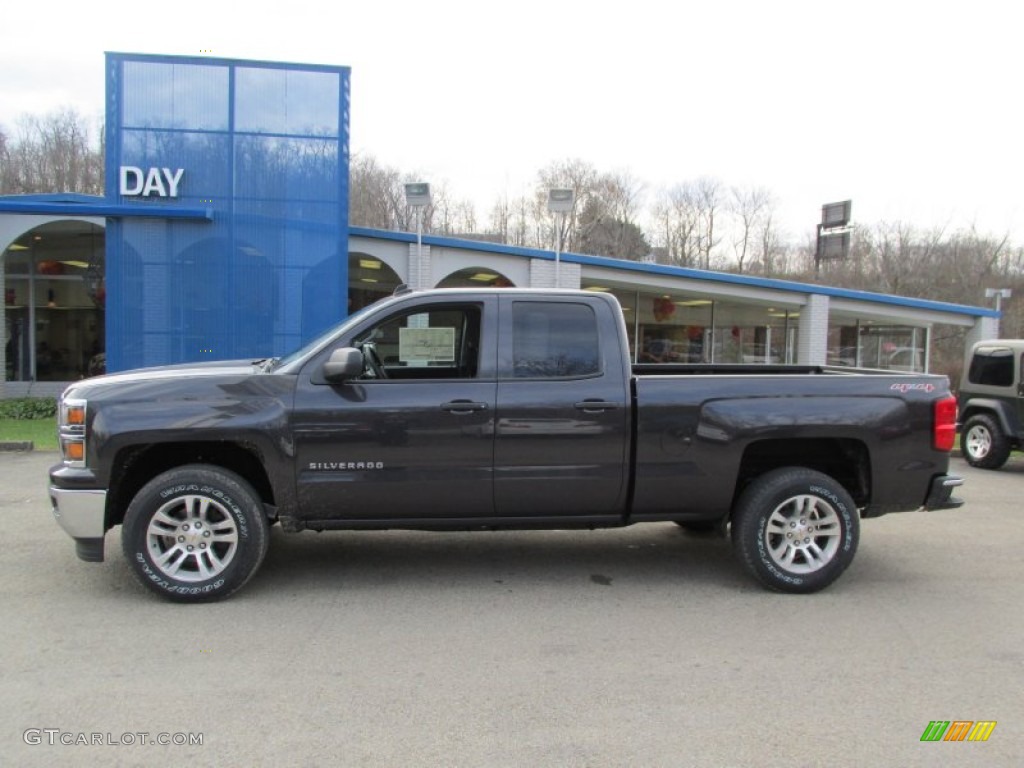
(795, 529)
(195, 533)
(985, 446)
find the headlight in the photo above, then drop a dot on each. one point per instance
(71, 432)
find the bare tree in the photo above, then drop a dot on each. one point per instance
(607, 225)
(567, 174)
(449, 215)
(773, 251)
(4, 153)
(750, 206)
(894, 257)
(53, 153)
(678, 220)
(374, 199)
(603, 234)
(499, 222)
(377, 199)
(709, 201)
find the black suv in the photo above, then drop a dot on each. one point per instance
(991, 402)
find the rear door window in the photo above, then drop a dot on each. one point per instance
(554, 340)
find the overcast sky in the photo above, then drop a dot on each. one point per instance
(911, 109)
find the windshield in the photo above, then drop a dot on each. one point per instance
(324, 337)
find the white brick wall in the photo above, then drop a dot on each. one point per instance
(984, 328)
(812, 341)
(419, 268)
(542, 274)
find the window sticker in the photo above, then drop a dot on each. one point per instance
(435, 345)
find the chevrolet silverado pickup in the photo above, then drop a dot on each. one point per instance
(491, 409)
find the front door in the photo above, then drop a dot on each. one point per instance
(413, 438)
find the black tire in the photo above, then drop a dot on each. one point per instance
(195, 533)
(983, 442)
(795, 529)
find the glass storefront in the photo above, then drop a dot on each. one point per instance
(54, 301)
(867, 344)
(678, 327)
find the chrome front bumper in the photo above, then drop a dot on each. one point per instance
(81, 514)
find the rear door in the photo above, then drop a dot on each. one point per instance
(562, 425)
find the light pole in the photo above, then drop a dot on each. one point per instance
(560, 201)
(999, 294)
(417, 195)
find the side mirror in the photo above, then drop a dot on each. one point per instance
(343, 364)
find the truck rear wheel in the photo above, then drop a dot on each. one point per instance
(195, 533)
(985, 446)
(795, 529)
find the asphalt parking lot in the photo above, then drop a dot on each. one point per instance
(644, 646)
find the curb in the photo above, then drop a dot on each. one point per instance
(12, 446)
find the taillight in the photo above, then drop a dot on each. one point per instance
(944, 424)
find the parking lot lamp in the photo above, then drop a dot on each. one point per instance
(560, 201)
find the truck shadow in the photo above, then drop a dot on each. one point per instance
(1013, 466)
(641, 559)
(651, 555)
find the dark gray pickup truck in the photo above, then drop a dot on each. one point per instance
(491, 409)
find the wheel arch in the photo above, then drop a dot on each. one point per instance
(998, 409)
(137, 465)
(846, 460)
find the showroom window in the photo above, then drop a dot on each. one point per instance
(54, 298)
(683, 327)
(866, 344)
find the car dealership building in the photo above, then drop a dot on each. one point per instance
(224, 233)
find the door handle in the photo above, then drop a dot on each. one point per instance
(463, 406)
(595, 406)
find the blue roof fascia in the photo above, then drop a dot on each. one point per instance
(54, 197)
(451, 242)
(112, 210)
(786, 285)
(685, 272)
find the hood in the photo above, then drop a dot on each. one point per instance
(231, 369)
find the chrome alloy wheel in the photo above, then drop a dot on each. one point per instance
(978, 441)
(803, 534)
(192, 538)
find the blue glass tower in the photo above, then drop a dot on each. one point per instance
(262, 145)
